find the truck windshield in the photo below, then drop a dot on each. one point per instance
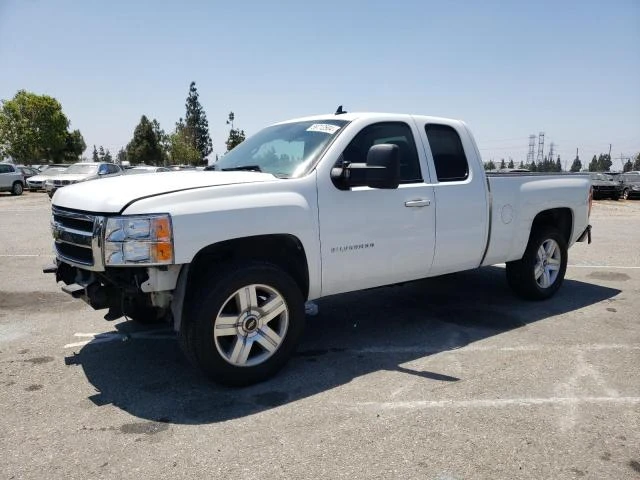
(283, 150)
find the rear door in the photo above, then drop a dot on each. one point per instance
(461, 196)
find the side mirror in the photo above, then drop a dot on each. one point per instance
(382, 170)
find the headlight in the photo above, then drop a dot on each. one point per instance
(146, 239)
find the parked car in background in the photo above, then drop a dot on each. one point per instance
(36, 182)
(81, 172)
(28, 172)
(630, 185)
(146, 169)
(11, 179)
(43, 168)
(604, 186)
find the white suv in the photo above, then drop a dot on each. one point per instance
(11, 179)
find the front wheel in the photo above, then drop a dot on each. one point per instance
(625, 194)
(245, 323)
(17, 189)
(540, 272)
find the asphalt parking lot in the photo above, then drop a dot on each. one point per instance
(447, 378)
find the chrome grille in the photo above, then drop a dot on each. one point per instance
(78, 237)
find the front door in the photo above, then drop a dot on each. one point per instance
(371, 237)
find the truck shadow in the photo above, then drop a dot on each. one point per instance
(353, 335)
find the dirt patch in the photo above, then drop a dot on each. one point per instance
(39, 360)
(610, 276)
(37, 301)
(143, 428)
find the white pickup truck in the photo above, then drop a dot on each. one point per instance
(304, 209)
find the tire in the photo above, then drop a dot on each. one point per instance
(522, 274)
(625, 194)
(616, 197)
(244, 324)
(17, 189)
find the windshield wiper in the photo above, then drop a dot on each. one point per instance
(248, 168)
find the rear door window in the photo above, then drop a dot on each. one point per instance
(448, 154)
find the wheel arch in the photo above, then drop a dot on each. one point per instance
(283, 250)
(560, 218)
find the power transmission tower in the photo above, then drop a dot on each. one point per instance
(532, 147)
(540, 148)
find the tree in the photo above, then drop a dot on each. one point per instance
(163, 139)
(74, 145)
(636, 163)
(181, 147)
(107, 156)
(576, 166)
(502, 164)
(558, 164)
(510, 164)
(593, 164)
(236, 136)
(121, 156)
(94, 155)
(101, 153)
(628, 166)
(144, 146)
(489, 165)
(604, 162)
(196, 123)
(32, 127)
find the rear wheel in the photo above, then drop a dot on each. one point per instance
(17, 188)
(540, 272)
(245, 323)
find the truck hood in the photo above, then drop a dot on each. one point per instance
(111, 195)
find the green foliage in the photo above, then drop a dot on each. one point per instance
(107, 156)
(558, 164)
(32, 127)
(144, 147)
(602, 163)
(628, 166)
(576, 166)
(503, 165)
(510, 164)
(94, 155)
(74, 145)
(489, 165)
(636, 163)
(236, 136)
(163, 139)
(181, 147)
(196, 123)
(121, 156)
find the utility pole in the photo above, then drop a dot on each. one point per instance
(532, 147)
(540, 148)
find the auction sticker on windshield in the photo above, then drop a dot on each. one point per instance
(323, 127)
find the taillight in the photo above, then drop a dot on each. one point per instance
(590, 200)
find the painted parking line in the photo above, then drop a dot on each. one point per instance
(93, 338)
(493, 402)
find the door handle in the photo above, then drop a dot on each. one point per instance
(423, 202)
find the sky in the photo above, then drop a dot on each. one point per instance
(569, 68)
